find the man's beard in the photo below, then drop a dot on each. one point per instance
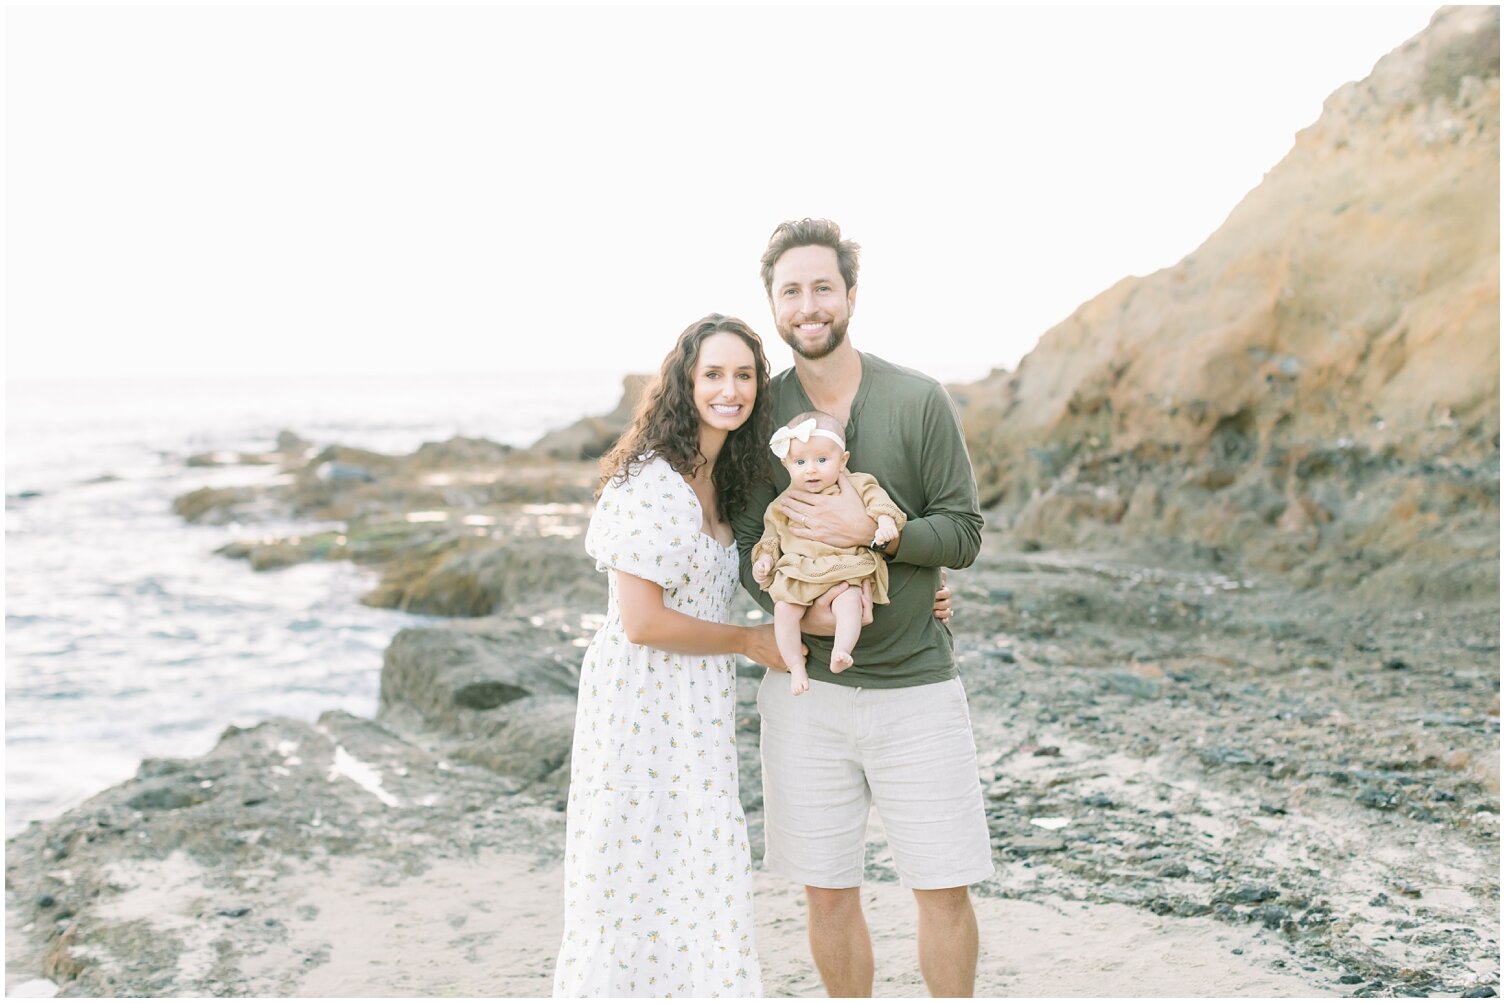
(835, 335)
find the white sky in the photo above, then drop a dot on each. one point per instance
(196, 190)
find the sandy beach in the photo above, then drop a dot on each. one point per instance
(490, 926)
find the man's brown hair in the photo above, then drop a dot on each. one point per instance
(809, 232)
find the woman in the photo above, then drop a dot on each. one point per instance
(658, 875)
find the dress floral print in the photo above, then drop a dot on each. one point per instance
(658, 875)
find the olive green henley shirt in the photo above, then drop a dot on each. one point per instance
(904, 430)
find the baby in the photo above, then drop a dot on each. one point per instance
(795, 571)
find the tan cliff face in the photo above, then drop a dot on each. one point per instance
(1340, 330)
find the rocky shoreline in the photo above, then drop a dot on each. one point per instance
(1307, 767)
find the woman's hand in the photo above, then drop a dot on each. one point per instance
(943, 601)
(762, 648)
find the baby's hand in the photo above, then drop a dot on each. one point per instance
(763, 570)
(888, 530)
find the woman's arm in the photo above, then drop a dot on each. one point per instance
(650, 623)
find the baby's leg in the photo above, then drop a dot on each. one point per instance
(786, 631)
(847, 608)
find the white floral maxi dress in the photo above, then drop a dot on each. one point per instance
(658, 874)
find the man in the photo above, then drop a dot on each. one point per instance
(893, 729)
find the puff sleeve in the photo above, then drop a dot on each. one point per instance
(876, 501)
(646, 526)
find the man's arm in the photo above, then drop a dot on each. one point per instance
(747, 525)
(949, 533)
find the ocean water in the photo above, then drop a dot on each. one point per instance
(126, 637)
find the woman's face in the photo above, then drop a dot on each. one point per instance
(726, 382)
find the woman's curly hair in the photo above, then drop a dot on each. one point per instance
(667, 421)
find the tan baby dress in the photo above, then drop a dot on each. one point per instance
(804, 569)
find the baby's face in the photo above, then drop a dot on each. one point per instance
(814, 465)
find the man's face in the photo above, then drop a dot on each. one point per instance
(811, 303)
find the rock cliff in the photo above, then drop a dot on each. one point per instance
(1315, 389)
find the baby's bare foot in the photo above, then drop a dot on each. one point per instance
(798, 683)
(840, 660)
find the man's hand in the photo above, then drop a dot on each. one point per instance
(762, 570)
(763, 648)
(943, 601)
(819, 619)
(839, 520)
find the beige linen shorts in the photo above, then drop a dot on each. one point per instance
(833, 752)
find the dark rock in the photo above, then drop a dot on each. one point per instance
(1380, 899)
(1251, 893)
(1026, 845)
(291, 442)
(1099, 801)
(474, 577)
(235, 912)
(1048, 750)
(1223, 755)
(151, 769)
(1272, 916)
(1317, 916)
(527, 739)
(168, 798)
(1132, 684)
(1350, 979)
(213, 505)
(461, 451)
(1272, 809)
(1374, 797)
(592, 437)
(1175, 870)
(488, 695)
(45, 901)
(448, 678)
(334, 473)
(1480, 992)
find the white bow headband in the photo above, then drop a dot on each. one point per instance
(781, 439)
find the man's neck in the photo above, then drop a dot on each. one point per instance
(831, 383)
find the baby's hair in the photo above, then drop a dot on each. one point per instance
(822, 420)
